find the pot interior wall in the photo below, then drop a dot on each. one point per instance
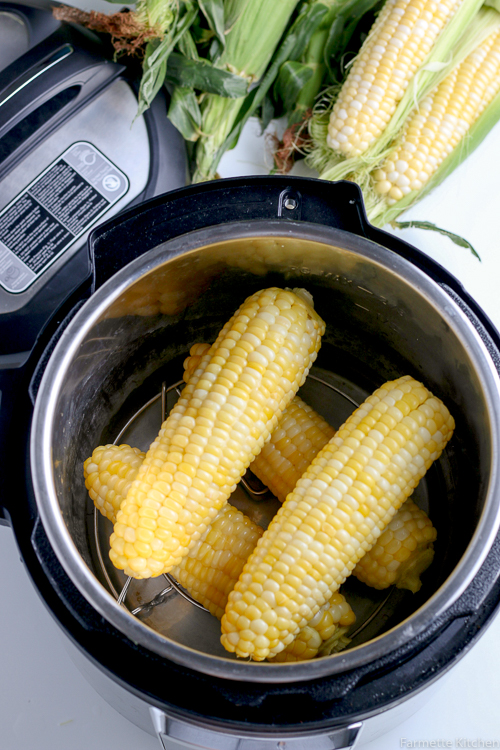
(379, 326)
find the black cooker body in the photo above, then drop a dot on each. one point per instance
(235, 706)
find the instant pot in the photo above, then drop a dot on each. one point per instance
(164, 275)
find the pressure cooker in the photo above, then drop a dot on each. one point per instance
(164, 275)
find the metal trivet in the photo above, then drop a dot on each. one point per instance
(253, 488)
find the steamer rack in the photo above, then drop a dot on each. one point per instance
(163, 600)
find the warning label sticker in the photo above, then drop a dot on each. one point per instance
(46, 218)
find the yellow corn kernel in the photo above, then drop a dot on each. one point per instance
(353, 488)
(298, 438)
(109, 472)
(221, 433)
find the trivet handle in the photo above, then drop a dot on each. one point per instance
(171, 729)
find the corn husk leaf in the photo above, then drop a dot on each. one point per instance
(187, 46)
(292, 78)
(267, 112)
(213, 10)
(184, 113)
(154, 66)
(202, 75)
(429, 226)
(341, 31)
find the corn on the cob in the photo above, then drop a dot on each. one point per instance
(212, 567)
(214, 564)
(221, 421)
(440, 122)
(399, 41)
(337, 511)
(401, 554)
(325, 633)
(298, 438)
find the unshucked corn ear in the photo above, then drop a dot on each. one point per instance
(212, 567)
(221, 421)
(336, 513)
(405, 549)
(399, 41)
(402, 58)
(434, 130)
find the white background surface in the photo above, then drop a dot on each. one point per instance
(47, 705)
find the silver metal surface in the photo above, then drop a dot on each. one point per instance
(172, 729)
(139, 711)
(106, 124)
(382, 314)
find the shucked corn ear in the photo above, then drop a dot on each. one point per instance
(402, 552)
(405, 549)
(337, 511)
(221, 421)
(212, 567)
(298, 438)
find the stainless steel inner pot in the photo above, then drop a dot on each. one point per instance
(384, 318)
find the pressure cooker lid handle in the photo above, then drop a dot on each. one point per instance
(46, 86)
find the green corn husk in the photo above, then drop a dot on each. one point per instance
(335, 167)
(253, 31)
(154, 65)
(290, 49)
(378, 210)
(299, 82)
(326, 47)
(156, 14)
